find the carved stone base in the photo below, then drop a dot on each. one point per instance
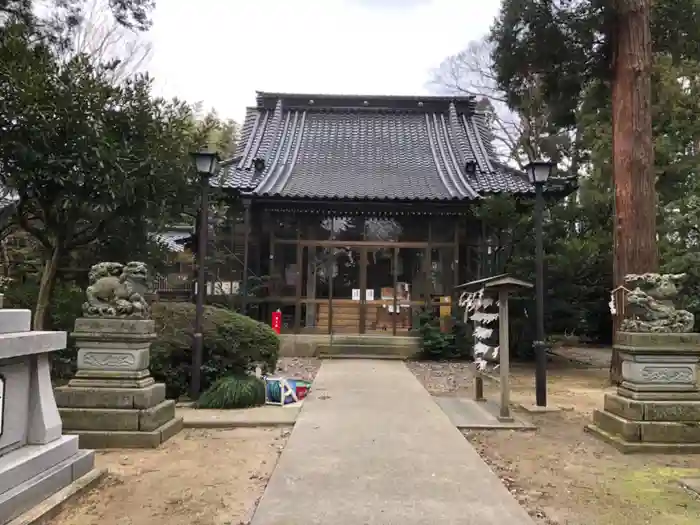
(658, 363)
(657, 406)
(113, 393)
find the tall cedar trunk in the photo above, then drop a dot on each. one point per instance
(635, 249)
(46, 284)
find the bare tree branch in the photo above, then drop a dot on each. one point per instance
(100, 35)
(470, 72)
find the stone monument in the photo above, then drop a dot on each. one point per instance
(36, 459)
(113, 402)
(657, 405)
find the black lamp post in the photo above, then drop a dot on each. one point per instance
(538, 172)
(206, 164)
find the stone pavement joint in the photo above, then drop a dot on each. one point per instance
(371, 447)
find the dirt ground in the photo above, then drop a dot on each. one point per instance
(199, 477)
(562, 475)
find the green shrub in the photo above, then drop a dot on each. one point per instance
(241, 391)
(439, 345)
(233, 344)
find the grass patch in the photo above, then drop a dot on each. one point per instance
(242, 391)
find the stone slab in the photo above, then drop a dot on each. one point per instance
(105, 439)
(12, 320)
(27, 462)
(30, 343)
(48, 509)
(623, 407)
(99, 419)
(670, 432)
(647, 431)
(627, 447)
(157, 416)
(97, 327)
(371, 447)
(467, 414)
(658, 396)
(118, 419)
(661, 342)
(692, 485)
(638, 410)
(628, 430)
(24, 496)
(265, 416)
(81, 397)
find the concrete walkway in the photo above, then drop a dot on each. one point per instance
(370, 447)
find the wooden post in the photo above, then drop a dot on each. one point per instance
(504, 355)
(300, 276)
(395, 280)
(478, 386)
(246, 249)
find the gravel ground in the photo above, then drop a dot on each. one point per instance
(443, 378)
(559, 473)
(298, 367)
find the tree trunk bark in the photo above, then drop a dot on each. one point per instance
(46, 285)
(635, 249)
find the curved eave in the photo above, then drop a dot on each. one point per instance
(360, 199)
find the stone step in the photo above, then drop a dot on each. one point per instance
(23, 464)
(365, 350)
(377, 340)
(23, 496)
(380, 357)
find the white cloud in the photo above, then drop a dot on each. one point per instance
(225, 50)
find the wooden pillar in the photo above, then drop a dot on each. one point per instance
(246, 249)
(483, 249)
(395, 277)
(363, 290)
(455, 270)
(300, 276)
(329, 275)
(478, 386)
(504, 355)
(428, 268)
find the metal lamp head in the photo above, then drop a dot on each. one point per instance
(205, 162)
(539, 171)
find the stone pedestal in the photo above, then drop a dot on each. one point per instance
(657, 405)
(113, 402)
(36, 459)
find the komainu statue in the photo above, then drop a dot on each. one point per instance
(650, 304)
(116, 290)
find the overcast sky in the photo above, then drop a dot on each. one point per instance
(221, 51)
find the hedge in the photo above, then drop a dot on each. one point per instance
(233, 344)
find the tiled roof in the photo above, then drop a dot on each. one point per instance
(379, 148)
(173, 239)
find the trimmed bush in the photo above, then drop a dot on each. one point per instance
(233, 345)
(234, 392)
